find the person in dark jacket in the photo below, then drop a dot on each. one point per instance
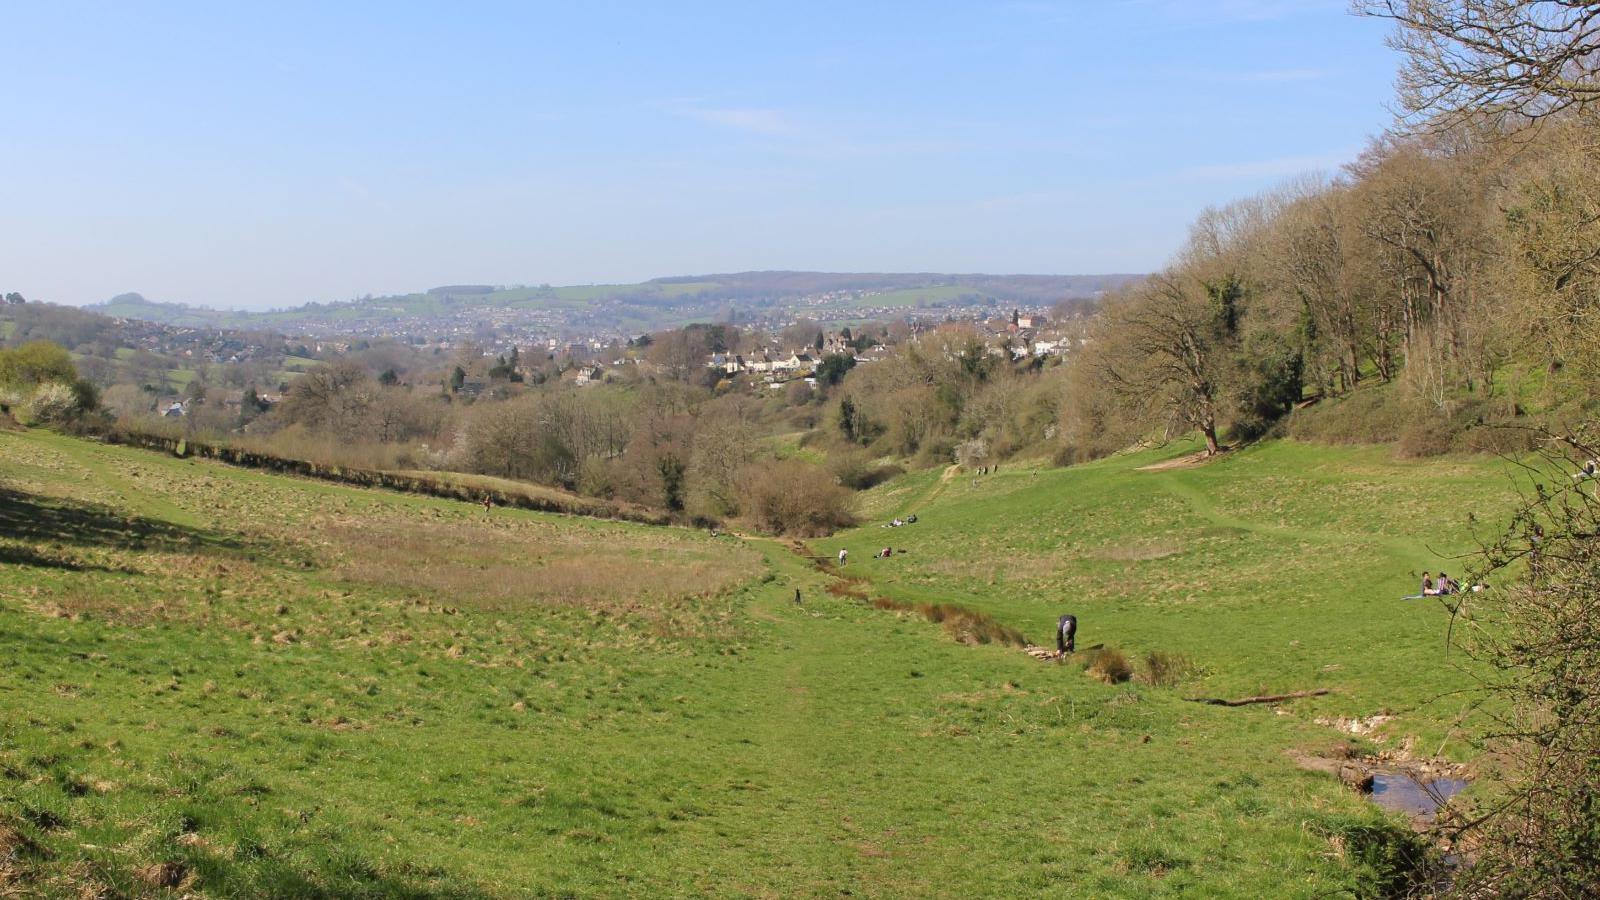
(1066, 634)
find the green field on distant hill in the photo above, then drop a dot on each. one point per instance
(912, 297)
(247, 684)
(647, 305)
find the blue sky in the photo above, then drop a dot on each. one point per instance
(273, 154)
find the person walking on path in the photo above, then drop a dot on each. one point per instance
(843, 557)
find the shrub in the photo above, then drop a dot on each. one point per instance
(1109, 665)
(36, 362)
(846, 589)
(1535, 640)
(936, 451)
(1374, 415)
(970, 627)
(1390, 860)
(856, 470)
(1272, 379)
(52, 401)
(1502, 439)
(1422, 440)
(596, 478)
(39, 382)
(1418, 428)
(965, 625)
(796, 498)
(1162, 669)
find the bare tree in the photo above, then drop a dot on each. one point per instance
(1553, 217)
(334, 399)
(1512, 61)
(724, 443)
(1424, 207)
(1316, 263)
(1155, 350)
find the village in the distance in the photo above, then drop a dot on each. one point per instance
(174, 361)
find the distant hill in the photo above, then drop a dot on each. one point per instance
(135, 306)
(660, 302)
(1032, 289)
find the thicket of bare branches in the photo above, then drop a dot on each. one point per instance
(1536, 830)
(1509, 62)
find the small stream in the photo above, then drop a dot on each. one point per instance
(1404, 793)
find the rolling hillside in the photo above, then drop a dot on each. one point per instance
(656, 303)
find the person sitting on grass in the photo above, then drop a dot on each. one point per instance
(1446, 585)
(885, 553)
(1427, 585)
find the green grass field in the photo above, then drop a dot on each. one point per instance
(244, 684)
(1279, 568)
(924, 296)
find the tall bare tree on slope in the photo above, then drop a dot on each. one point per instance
(1511, 61)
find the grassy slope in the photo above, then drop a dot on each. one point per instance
(291, 686)
(1277, 569)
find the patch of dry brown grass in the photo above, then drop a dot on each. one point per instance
(1108, 664)
(1163, 669)
(965, 625)
(850, 588)
(401, 569)
(1141, 552)
(487, 568)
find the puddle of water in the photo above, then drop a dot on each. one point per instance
(1402, 793)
